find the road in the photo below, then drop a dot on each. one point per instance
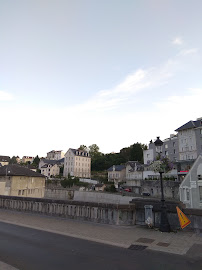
(29, 249)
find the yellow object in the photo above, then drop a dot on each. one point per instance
(184, 221)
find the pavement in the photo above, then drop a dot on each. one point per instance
(132, 237)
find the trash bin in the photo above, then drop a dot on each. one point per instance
(149, 215)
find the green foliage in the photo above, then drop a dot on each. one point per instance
(36, 161)
(72, 181)
(101, 162)
(83, 147)
(110, 188)
(13, 160)
(61, 170)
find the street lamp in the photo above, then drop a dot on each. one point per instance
(164, 224)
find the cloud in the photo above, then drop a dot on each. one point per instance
(188, 51)
(5, 96)
(177, 41)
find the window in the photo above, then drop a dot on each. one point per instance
(187, 194)
(173, 144)
(19, 192)
(166, 146)
(200, 193)
(174, 151)
(166, 153)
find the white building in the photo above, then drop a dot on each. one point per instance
(190, 140)
(50, 170)
(191, 187)
(55, 155)
(77, 163)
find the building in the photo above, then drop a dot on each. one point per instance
(117, 174)
(26, 159)
(77, 163)
(44, 161)
(191, 186)
(50, 170)
(100, 187)
(190, 140)
(4, 160)
(169, 150)
(134, 173)
(55, 155)
(16, 180)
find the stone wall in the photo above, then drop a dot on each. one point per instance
(86, 196)
(96, 212)
(59, 193)
(195, 215)
(115, 214)
(171, 188)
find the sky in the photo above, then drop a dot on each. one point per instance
(105, 72)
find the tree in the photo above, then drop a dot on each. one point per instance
(94, 151)
(36, 161)
(13, 160)
(136, 152)
(83, 147)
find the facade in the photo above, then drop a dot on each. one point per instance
(117, 174)
(55, 155)
(169, 150)
(191, 187)
(50, 170)
(190, 140)
(44, 161)
(77, 163)
(26, 159)
(16, 180)
(134, 173)
(4, 160)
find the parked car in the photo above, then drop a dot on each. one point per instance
(145, 194)
(128, 189)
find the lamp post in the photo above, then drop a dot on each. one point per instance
(164, 224)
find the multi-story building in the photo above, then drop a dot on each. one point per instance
(50, 170)
(55, 155)
(190, 140)
(117, 174)
(169, 149)
(16, 180)
(77, 163)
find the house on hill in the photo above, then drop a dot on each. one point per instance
(4, 160)
(77, 163)
(117, 174)
(16, 180)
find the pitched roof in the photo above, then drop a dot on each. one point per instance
(80, 153)
(49, 161)
(190, 124)
(135, 165)
(16, 170)
(116, 167)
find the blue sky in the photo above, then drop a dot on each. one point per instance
(108, 72)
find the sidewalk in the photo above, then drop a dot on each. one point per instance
(133, 237)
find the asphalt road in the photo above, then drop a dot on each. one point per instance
(29, 249)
